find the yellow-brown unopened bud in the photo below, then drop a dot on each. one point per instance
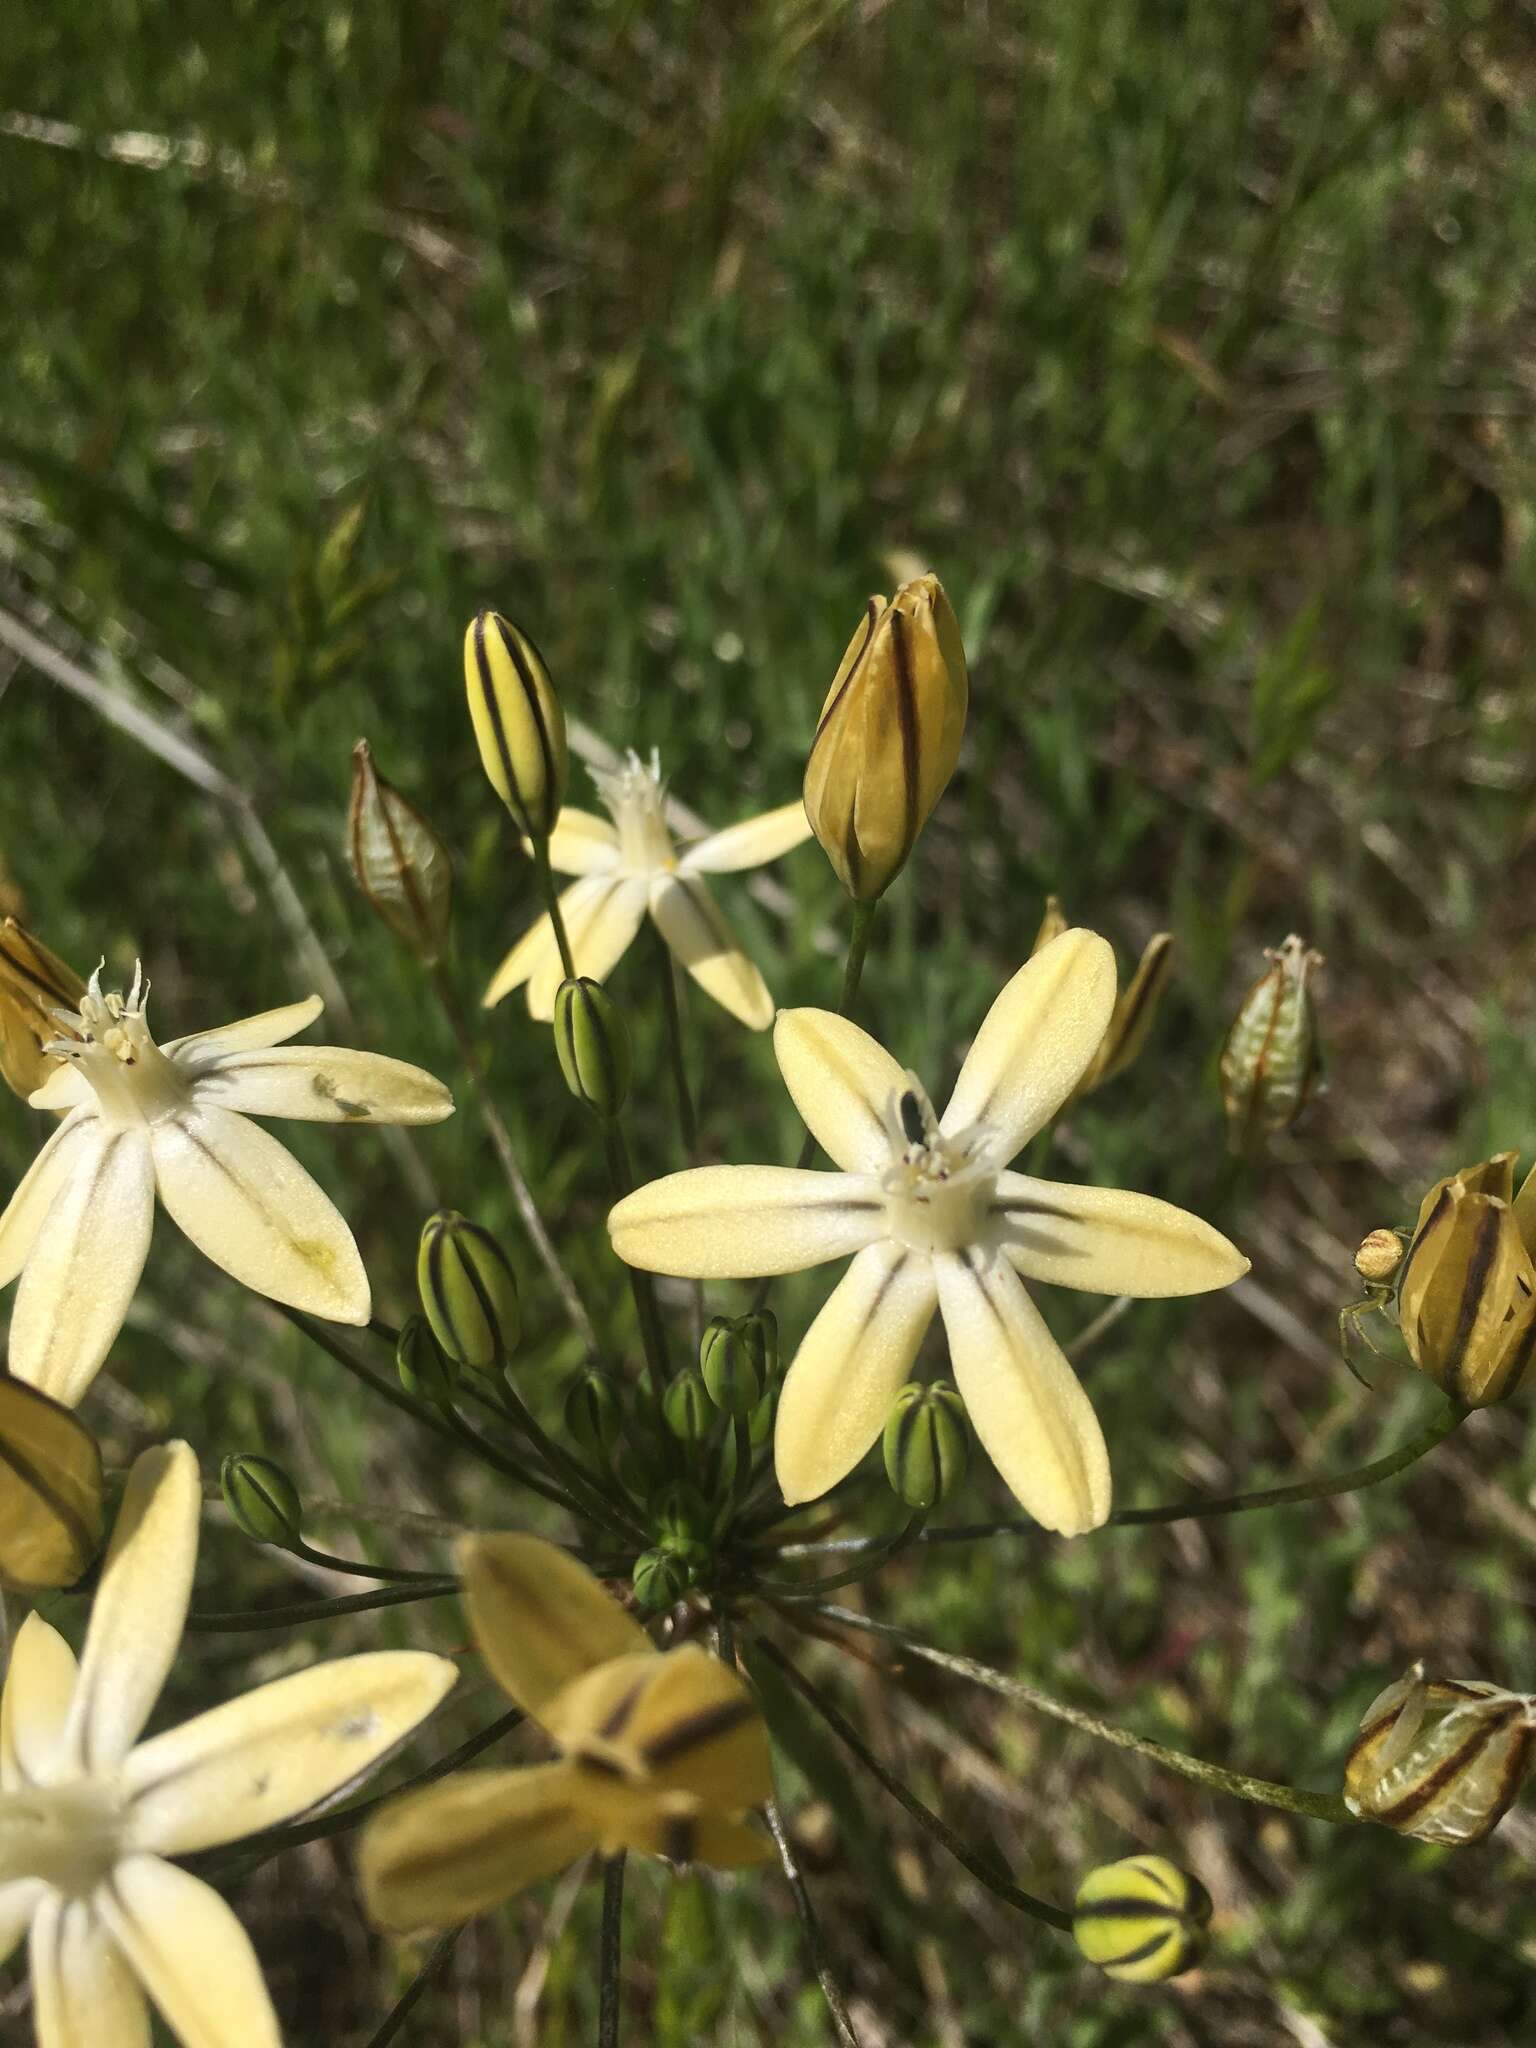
(1132, 1017)
(518, 722)
(1379, 1256)
(1052, 925)
(889, 736)
(1467, 1296)
(401, 865)
(1439, 1758)
(50, 1492)
(1270, 1063)
(34, 983)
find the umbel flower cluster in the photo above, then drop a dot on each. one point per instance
(664, 1572)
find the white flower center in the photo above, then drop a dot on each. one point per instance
(938, 1190)
(636, 799)
(69, 1835)
(134, 1081)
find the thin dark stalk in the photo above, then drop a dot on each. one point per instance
(551, 895)
(388, 1574)
(810, 1927)
(434, 1967)
(641, 1285)
(612, 1944)
(595, 1503)
(883, 1550)
(687, 1119)
(247, 1620)
(980, 1867)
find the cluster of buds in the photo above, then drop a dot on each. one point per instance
(1442, 1759)
(1271, 1062)
(468, 1291)
(1141, 1919)
(1136, 1006)
(35, 985)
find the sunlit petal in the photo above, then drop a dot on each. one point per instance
(190, 1953)
(683, 1831)
(328, 1084)
(844, 1085)
(84, 1994)
(246, 1202)
(83, 1268)
(1035, 1042)
(65, 1088)
(1106, 1241)
(692, 1726)
(748, 845)
(249, 1034)
(602, 915)
(19, 1902)
(738, 1222)
(692, 924)
(526, 957)
(140, 1606)
(39, 1684)
(582, 843)
(443, 1854)
(1025, 1402)
(62, 1156)
(261, 1759)
(540, 1618)
(851, 1363)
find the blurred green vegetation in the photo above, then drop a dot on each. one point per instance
(1192, 345)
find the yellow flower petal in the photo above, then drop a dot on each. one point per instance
(275, 1752)
(581, 843)
(1025, 1402)
(84, 1266)
(602, 915)
(65, 1088)
(249, 1034)
(685, 1832)
(525, 959)
(447, 1852)
(581, 1711)
(328, 1084)
(739, 1222)
(59, 1159)
(540, 1618)
(190, 1953)
(140, 1606)
(34, 1708)
(691, 922)
(1036, 1042)
(692, 1726)
(84, 1994)
(850, 1367)
(50, 1491)
(1107, 1241)
(19, 1903)
(248, 1205)
(844, 1085)
(750, 844)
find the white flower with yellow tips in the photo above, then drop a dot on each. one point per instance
(143, 1120)
(933, 1221)
(662, 1753)
(89, 1813)
(632, 867)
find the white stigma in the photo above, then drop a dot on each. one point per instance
(635, 796)
(109, 1041)
(937, 1189)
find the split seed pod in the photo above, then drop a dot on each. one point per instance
(1271, 1065)
(402, 866)
(1441, 1759)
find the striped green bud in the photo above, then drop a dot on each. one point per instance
(402, 866)
(50, 1491)
(732, 1374)
(593, 1414)
(468, 1290)
(261, 1498)
(760, 1335)
(424, 1367)
(592, 1045)
(925, 1444)
(1271, 1065)
(518, 723)
(678, 1512)
(759, 1429)
(686, 1404)
(1442, 1759)
(1141, 1919)
(661, 1578)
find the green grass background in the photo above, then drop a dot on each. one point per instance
(1191, 343)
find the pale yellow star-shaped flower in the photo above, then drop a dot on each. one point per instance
(659, 1752)
(89, 1813)
(934, 1221)
(144, 1120)
(632, 866)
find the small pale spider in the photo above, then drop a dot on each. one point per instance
(1379, 1262)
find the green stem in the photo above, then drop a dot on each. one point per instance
(641, 1285)
(686, 1115)
(611, 1946)
(244, 1620)
(596, 1504)
(980, 1867)
(1262, 1791)
(436, 1963)
(387, 1574)
(810, 1927)
(551, 897)
(882, 1551)
(511, 1166)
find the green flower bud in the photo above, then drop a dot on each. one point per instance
(661, 1578)
(1271, 1066)
(518, 722)
(468, 1290)
(760, 1335)
(687, 1407)
(424, 1367)
(1141, 1919)
(759, 1429)
(925, 1443)
(733, 1376)
(678, 1513)
(592, 1045)
(593, 1414)
(402, 866)
(262, 1499)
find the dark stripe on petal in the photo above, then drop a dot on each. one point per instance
(695, 1730)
